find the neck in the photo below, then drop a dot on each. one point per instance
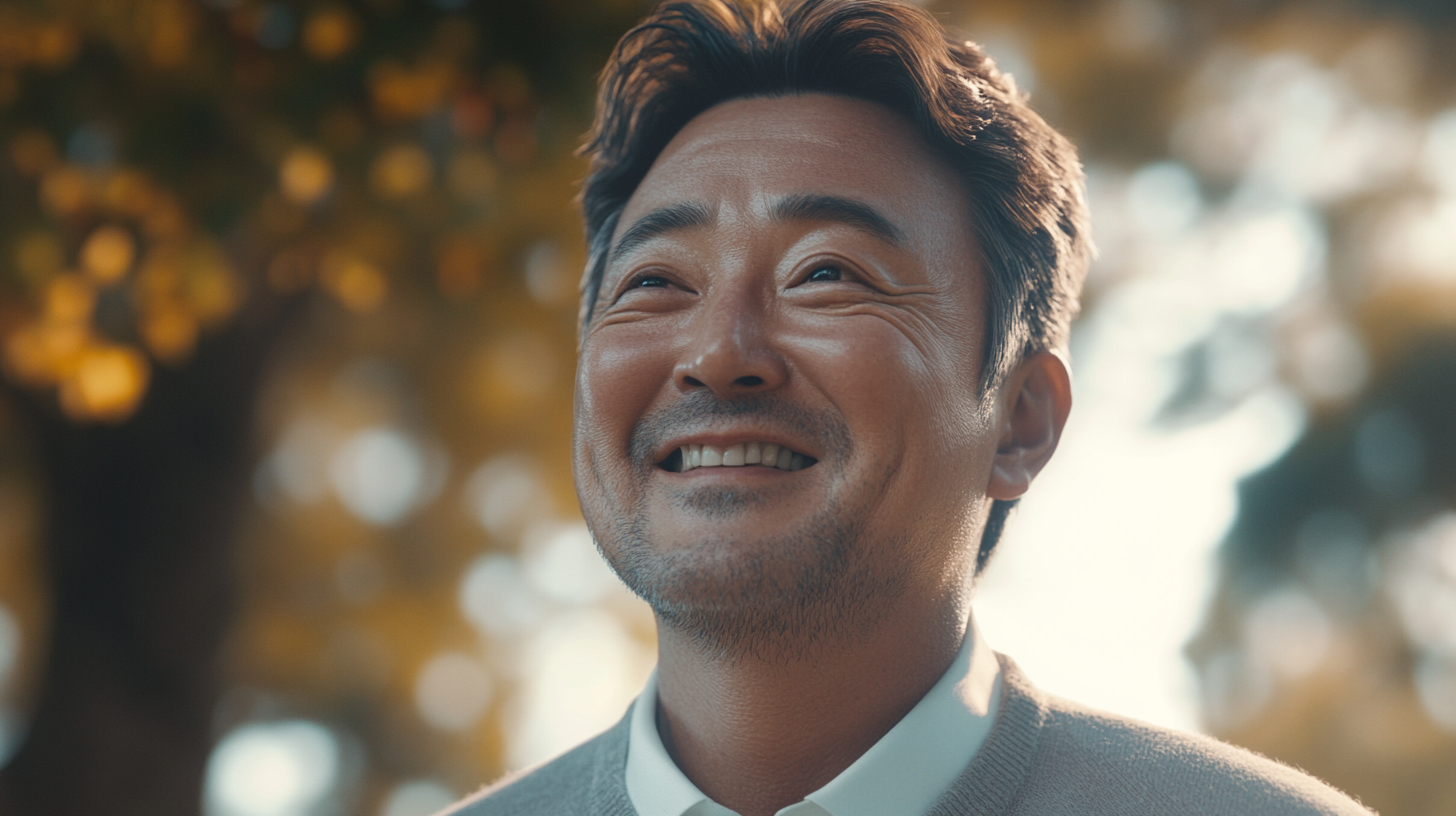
(758, 733)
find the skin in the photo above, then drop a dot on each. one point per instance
(800, 614)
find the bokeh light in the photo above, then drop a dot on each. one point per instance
(506, 492)
(357, 284)
(452, 691)
(401, 171)
(578, 674)
(306, 175)
(272, 769)
(562, 562)
(495, 597)
(418, 798)
(107, 383)
(329, 33)
(107, 255)
(381, 474)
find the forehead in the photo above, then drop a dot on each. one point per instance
(743, 154)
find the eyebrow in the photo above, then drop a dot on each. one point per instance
(659, 222)
(800, 207)
(816, 207)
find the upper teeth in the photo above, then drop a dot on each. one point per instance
(743, 453)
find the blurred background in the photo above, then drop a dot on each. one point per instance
(287, 317)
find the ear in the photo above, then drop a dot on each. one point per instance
(1032, 408)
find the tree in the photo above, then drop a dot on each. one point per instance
(181, 179)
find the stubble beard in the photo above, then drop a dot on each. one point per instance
(737, 595)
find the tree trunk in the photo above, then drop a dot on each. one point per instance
(138, 548)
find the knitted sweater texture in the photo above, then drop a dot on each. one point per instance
(1045, 757)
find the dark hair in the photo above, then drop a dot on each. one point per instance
(1023, 178)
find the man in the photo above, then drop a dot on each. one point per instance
(834, 257)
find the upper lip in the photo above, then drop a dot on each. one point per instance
(723, 439)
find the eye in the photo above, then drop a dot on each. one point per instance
(653, 288)
(825, 274)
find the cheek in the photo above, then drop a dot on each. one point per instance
(618, 375)
(873, 377)
(873, 369)
(912, 406)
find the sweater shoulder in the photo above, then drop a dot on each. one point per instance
(1159, 770)
(579, 781)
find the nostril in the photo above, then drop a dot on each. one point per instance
(749, 381)
(695, 383)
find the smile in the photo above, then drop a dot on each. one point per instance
(744, 454)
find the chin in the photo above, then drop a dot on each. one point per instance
(766, 597)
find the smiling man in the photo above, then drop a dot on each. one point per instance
(834, 259)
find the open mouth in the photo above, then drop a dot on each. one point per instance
(743, 454)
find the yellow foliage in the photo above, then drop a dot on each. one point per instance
(107, 384)
(160, 276)
(164, 219)
(357, 284)
(128, 192)
(66, 191)
(170, 332)
(401, 93)
(38, 256)
(306, 175)
(33, 152)
(401, 171)
(170, 41)
(513, 373)
(107, 255)
(41, 353)
(43, 44)
(212, 288)
(54, 45)
(329, 34)
(69, 299)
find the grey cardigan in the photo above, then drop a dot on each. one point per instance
(1045, 756)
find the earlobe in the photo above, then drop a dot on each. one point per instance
(1035, 401)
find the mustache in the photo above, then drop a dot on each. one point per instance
(698, 410)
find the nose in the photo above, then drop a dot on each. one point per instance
(731, 353)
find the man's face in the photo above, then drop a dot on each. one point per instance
(796, 272)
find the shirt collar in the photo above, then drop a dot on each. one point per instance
(905, 772)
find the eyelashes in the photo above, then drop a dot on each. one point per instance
(650, 281)
(822, 272)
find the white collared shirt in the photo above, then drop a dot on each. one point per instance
(903, 773)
